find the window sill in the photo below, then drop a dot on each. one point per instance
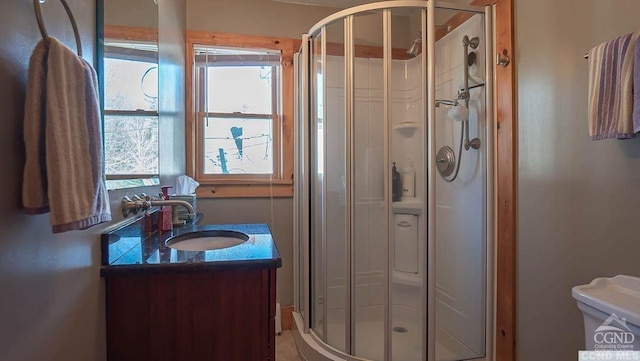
(246, 181)
(255, 190)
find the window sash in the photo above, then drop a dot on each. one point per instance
(204, 55)
(202, 116)
(202, 78)
(203, 119)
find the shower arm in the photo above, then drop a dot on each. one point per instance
(460, 96)
(451, 103)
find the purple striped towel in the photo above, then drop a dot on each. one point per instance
(611, 98)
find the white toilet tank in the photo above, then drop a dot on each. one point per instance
(611, 309)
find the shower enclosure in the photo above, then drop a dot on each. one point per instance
(395, 265)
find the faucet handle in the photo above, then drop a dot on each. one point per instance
(125, 206)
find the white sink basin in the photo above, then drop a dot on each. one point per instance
(206, 240)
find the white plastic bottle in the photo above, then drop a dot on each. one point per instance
(409, 181)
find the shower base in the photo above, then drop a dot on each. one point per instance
(405, 339)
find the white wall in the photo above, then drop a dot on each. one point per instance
(578, 200)
(51, 301)
(254, 17)
(142, 13)
(171, 82)
(281, 19)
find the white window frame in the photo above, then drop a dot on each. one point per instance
(201, 116)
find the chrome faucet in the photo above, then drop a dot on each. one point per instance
(144, 203)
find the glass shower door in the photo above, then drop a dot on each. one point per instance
(336, 232)
(388, 83)
(331, 237)
(461, 190)
(369, 213)
(317, 165)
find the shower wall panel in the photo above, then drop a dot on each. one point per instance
(460, 208)
(407, 144)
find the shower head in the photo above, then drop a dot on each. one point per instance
(459, 113)
(414, 49)
(412, 52)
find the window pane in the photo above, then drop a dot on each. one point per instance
(238, 146)
(131, 144)
(245, 89)
(131, 183)
(130, 85)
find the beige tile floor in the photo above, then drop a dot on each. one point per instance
(286, 347)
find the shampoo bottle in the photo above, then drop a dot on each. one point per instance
(396, 186)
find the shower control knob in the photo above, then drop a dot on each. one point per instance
(446, 161)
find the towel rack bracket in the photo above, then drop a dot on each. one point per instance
(43, 28)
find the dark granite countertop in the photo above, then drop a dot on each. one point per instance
(126, 249)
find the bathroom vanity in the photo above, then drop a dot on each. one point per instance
(169, 304)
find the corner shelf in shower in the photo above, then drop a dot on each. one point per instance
(413, 206)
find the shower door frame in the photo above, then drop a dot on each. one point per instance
(303, 188)
(301, 203)
(490, 176)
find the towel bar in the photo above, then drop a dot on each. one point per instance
(43, 28)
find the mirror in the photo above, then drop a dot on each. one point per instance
(129, 80)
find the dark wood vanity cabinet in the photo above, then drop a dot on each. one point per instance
(202, 315)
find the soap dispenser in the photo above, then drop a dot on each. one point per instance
(396, 186)
(165, 219)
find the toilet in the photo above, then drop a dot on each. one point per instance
(611, 310)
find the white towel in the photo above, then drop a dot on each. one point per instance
(63, 125)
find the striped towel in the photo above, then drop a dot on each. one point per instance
(63, 171)
(611, 77)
